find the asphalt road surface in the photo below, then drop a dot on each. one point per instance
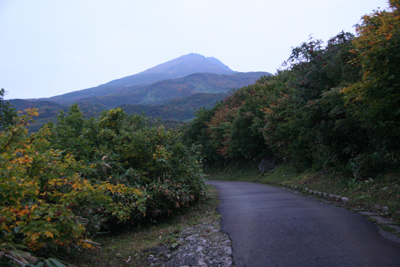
(272, 227)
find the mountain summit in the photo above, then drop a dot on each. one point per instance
(189, 64)
(175, 68)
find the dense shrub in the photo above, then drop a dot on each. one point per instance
(45, 203)
(135, 151)
(59, 186)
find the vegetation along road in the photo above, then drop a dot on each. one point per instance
(271, 227)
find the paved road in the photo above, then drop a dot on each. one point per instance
(272, 227)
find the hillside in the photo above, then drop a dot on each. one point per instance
(162, 91)
(178, 109)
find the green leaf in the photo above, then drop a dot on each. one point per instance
(53, 262)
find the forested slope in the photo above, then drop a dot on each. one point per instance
(334, 107)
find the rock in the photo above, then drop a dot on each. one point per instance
(266, 164)
(337, 197)
(320, 194)
(385, 209)
(345, 199)
(150, 258)
(310, 191)
(324, 194)
(381, 220)
(331, 196)
(201, 245)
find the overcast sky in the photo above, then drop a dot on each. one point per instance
(51, 47)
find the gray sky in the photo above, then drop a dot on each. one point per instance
(51, 47)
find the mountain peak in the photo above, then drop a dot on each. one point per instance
(189, 64)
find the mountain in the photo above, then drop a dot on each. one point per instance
(170, 90)
(188, 64)
(165, 90)
(175, 68)
(178, 109)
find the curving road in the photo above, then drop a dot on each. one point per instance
(272, 227)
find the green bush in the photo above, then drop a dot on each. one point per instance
(63, 184)
(45, 203)
(135, 151)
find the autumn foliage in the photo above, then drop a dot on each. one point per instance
(63, 184)
(333, 107)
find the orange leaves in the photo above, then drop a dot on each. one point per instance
(86, 244)
(389, 36)
(23, 212)
(267, 110)
(48, 234)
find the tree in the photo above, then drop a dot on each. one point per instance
(375, 98)
(6, 112)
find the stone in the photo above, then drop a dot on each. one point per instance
(310, 191)
(266, 164)
(345, 199)
(337, 197)
(320, 194)
(324, 194)
(382, 220)
(331, 196)
(385, 209)
(201, 245)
